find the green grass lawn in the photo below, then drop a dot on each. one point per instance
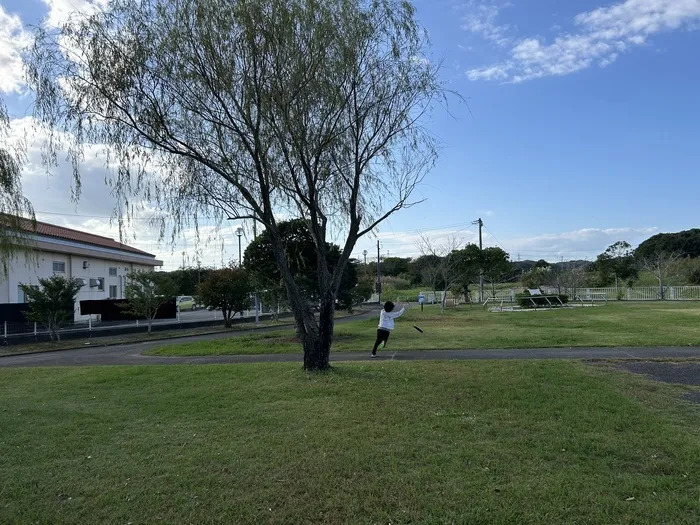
(431, 442)
(617, 324)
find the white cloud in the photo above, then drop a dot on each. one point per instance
(13, 38)
(482, 19)
(51, 197)
(60, 11)
(598, 37)
(585, 243)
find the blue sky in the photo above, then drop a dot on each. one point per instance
(583, 127)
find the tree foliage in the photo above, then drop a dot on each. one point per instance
(53, 302)
(253, 109)
(616, 263)
(228, 290)
(301, 257)
(146, 292)
(395, 266)
(685, 243)
(187, 280)
(495, 263)
(16, 212)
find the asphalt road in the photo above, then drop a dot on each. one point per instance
(131, 354)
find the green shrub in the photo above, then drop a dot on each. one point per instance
(525, 300)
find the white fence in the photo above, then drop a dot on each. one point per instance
(642, 293)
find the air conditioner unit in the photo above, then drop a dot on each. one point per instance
(86, 265)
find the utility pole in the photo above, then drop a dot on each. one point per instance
(364, 252)
(379, 273)
(257, 305)
(481, 270)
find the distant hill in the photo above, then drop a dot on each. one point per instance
(527, 265)
(686, 243)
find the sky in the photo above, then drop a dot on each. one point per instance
(579, 128)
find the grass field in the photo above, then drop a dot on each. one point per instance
(617, 324)
(436, 442)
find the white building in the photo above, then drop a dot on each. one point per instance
(102, 264)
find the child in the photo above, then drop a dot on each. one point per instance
(386, 324)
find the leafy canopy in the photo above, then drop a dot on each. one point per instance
(53, 302)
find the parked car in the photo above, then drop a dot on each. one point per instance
(185, 303)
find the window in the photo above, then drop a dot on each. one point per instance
(113, 291)
(112, 272)
(21, 296)
(59, 267)
(98, 283)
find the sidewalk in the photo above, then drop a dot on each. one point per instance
(132, 355)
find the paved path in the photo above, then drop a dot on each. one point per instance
(132, 355)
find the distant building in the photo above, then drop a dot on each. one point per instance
(100, 262)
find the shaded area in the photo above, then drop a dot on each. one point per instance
(678, 373)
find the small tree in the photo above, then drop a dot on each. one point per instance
(537, 276)
(53, 303)
(301, 256)
(147, 292)
(467, 263)
(661, 265)
(446, 273)
(496, 265)
(617, 263)
(228, 290)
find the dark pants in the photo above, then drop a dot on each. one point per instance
(382, 337)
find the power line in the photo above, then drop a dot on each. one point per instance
(95, 216)
(494, 238)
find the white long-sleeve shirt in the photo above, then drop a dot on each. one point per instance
(386, 319)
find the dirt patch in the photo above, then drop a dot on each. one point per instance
(693, 397)
(684, 373)
(679, 373)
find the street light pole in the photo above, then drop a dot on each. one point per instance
(379, 273)
(239, 233)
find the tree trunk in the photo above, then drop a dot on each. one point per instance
(149, 324)
(317, 340)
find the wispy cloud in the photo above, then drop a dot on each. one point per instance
(482, 19)
(597, 38)
(585, 243)
(60, 11)
(13, 38)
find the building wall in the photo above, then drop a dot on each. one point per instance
(25, 271)
(4, 291)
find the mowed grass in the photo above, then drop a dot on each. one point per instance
(471, 327)
(430, 442)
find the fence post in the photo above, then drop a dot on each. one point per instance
(34, 328)
(90, 323)
(137, 323)
(4, 329)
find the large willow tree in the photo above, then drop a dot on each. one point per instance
(16, 212)
(251, 109)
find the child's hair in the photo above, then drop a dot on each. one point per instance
(388, 306)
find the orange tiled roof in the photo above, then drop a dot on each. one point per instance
(61, 232)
